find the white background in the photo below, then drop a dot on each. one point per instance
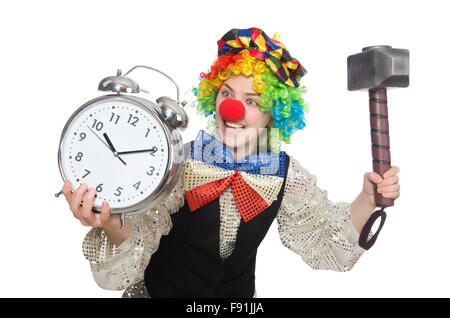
(54, 53)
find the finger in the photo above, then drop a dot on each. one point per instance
(76, 200)
(389, 181)
(88, 203)
(392, 171)
(66, 190)
(105, 213)
(374, 177)
(390, 188)
(391, 195)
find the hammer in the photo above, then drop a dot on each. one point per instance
(376, 68)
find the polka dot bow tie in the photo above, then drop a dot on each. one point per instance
(210, 169)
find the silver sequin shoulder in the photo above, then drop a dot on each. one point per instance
(317, 229)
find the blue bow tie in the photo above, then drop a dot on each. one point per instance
(208, 149)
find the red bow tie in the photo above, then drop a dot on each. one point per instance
(253, 193)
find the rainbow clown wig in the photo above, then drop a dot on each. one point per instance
(276, 77)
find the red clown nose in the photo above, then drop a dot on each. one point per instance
(231, 109)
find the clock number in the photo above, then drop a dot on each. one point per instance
(151, 171)
(97, 125)
(118, 191)
(135, 118)
(99, 188)
(137, 185)
(82, 136)
(148, 130)
(88, 172)
(153, 151)
(112, 118)
(79, 156)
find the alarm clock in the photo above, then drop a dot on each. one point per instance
(127, 147)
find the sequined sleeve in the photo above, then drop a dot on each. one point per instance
(117, 267)
(317, 229)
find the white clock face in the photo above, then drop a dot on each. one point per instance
(132, 172)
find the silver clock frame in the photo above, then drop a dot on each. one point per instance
(175, 163)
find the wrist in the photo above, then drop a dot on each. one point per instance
(116, 235)
(361, 209)
(367, 199)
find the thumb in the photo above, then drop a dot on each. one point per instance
(105, 213)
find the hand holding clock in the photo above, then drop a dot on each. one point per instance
(82, 210)
(99, 192)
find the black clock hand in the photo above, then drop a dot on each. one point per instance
(112, 148)
(104, 143)
(137, 151)
(110, 143)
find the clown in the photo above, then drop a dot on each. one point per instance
(202, 239)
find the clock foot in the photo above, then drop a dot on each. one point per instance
(122, 221)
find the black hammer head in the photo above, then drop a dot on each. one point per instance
(378, 67)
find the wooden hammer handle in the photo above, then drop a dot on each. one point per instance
(379, 124)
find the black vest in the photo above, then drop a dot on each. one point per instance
(188, 264)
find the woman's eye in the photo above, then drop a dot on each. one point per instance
(251, 102)
(226, 94)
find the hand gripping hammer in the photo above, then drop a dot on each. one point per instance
(376, 68)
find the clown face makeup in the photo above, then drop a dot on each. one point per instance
(276, 77)
(238, 117)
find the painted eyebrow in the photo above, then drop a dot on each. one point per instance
(228, 87)
(251, 94)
